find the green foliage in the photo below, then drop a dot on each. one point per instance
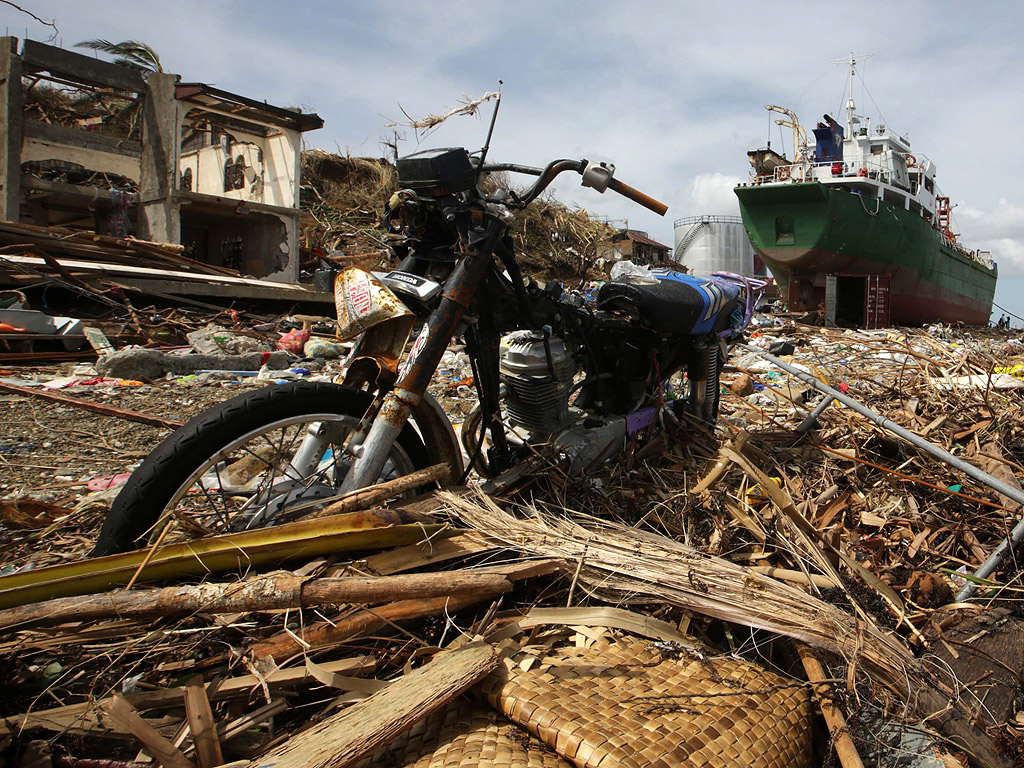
(130, 53)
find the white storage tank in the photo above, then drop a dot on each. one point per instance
(706, 244)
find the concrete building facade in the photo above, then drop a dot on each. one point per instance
(211, 170)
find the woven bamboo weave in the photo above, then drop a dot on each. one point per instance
(627, 705)
(466, 734)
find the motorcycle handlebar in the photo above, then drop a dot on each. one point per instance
(638, 197)
(548, 174)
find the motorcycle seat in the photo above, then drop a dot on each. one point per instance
(677, 304)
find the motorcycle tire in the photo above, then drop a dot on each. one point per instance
(238, 440)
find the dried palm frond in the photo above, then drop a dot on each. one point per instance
(624, 565)
(467, 106)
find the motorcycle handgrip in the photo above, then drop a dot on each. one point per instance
(638, 197)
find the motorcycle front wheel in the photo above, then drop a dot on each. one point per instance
(258, 459)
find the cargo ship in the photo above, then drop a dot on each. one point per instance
(856, 226)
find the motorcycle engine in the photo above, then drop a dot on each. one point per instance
(537, 370)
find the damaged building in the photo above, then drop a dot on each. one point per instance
(96, 146)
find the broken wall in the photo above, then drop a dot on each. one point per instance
(231, 189)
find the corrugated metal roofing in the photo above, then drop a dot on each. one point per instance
(637, 237)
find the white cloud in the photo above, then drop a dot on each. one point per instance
(673, 93)
(999, 229)
(712, 193)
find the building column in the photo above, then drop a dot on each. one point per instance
(161, 149)
(11, 103)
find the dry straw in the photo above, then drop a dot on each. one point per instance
(623, 565)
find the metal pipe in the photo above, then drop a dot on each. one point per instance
(808, 424)
(1016, 535)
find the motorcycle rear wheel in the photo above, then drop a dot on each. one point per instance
(232, 467)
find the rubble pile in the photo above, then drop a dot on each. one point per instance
(107, 113)
(344, 199)
(779, 590)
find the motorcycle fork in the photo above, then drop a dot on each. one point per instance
(483, 342)
(419, 367)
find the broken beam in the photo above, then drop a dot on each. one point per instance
(347, 737)
(106, 410)
(372, 529)
(264, 593)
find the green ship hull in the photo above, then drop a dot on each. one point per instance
(806, 231)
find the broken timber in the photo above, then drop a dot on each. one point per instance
(347, 737)
(264, 593)
(1015, 537)
(323, 634)
(105, 410)
(305, 538)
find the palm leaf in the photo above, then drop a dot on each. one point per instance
(129, 53)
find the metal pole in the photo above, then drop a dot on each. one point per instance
(808, 424)
(1016, 535)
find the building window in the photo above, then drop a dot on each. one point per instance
(234, 174)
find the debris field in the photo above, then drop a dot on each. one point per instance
(777, 591)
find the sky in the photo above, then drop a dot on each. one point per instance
(672, 93)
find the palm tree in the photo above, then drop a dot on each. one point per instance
(130, 53)
(137, 56)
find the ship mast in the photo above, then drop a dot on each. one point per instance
(852, 61)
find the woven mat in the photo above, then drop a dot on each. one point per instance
(625, 704)
(466, 734)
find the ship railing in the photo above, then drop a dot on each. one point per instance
(824, 170)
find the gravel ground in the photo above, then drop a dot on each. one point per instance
(50, 451)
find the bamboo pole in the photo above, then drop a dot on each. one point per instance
(834, 719)
(271, 592)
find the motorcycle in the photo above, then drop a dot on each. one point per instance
(549, 366)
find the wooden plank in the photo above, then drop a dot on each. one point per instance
(36, 57)
(323, 634)
(88, 717)
(845, 748)
(287, 290)
(347, 737)
(124, 714)
(201, 724)
(284, 645)
(426, 553)
(106, 410)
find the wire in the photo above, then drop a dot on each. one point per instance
(1004, 309)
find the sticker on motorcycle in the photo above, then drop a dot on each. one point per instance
(414, 352)
(363, 301)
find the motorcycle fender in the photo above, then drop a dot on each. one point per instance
(376, 359)
(439, 437)
(363, 302)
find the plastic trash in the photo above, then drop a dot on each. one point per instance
(293, 341)
(628, 272)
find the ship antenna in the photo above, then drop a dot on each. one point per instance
(852, 62)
